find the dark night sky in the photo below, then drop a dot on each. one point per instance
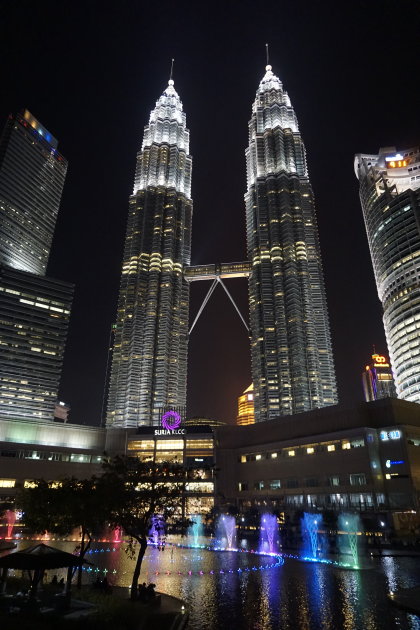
(91, 72)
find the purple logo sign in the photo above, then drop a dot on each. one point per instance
(171, 420)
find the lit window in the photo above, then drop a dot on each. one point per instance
(7, 483)
(164, 445)
(257, 457)
(345, 446)
(243, 459)
(291, 453)
(310, 450)
(273, 455)
(331, 447)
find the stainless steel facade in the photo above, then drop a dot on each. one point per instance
(149, 362)
(32, 175)
(292, 362)
(390, 198)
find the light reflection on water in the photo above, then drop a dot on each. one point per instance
(295, 596)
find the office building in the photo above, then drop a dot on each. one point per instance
(377, 379)
(390, 198)
(246, 407)
(365, 458)
(34, 309)
(34, 319)
(149, 362)
(32, 175)
(292, 361)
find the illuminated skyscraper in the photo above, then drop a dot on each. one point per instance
(149, 363)
(32, 175)
(377, 379)
(34, 309)
(292, 362)
(246, 407)
(390, 198)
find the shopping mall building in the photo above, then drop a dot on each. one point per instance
(365, 459)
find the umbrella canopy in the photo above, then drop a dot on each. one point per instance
(39, 557)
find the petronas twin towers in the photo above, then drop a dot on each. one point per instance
(292, 364)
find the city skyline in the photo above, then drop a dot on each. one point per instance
(100, 129)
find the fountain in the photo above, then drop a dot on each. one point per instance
(116, 535)
(268, 532)
(227, 529)
(311, 524)
(157, 531)
(10, 521)
(348, 528)
(196, 529)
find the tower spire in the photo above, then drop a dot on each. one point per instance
(171, 81)
(267, 56)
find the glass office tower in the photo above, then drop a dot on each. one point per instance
(34, 309)
(32, 175)
(390, 198)
(292, 362)
(149, 362)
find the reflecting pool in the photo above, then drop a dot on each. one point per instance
(294, 596)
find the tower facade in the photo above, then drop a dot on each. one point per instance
(292, 362)
(390, 198)
(34, 309)
(377, 379)
(32, 175)
(149, 362)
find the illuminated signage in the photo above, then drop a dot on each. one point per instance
(390, 435)
(379, 360)
(396, 161)
(393, 462)
(170, 431)
(171, 420)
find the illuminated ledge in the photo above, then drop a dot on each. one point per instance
(223, 270)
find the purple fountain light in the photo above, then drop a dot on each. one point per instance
(268, 531)
(171, 420)
(229, 525)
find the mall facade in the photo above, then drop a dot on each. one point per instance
(364, 459)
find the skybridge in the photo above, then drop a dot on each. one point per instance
(217, 273)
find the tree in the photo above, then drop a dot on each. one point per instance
(141, 494)
(61, 507)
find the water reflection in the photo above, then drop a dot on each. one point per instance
(295, 596)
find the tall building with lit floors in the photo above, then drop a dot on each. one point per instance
(34, 309)
(149, 362)
(390, 198)
(292, 361)
(377, 379)
(246, 407)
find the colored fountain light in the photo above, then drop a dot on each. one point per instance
(10, 521)
(349, 526)
(227, 529)
(195, 530)
(268, 532)
(171, 420)
(311, 524)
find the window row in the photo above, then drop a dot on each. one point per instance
(309, 449)
(78, 458)
(355, 479)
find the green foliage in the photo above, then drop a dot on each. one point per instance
(137, 490)
(60, 508)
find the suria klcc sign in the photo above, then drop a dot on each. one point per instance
(171, 422)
